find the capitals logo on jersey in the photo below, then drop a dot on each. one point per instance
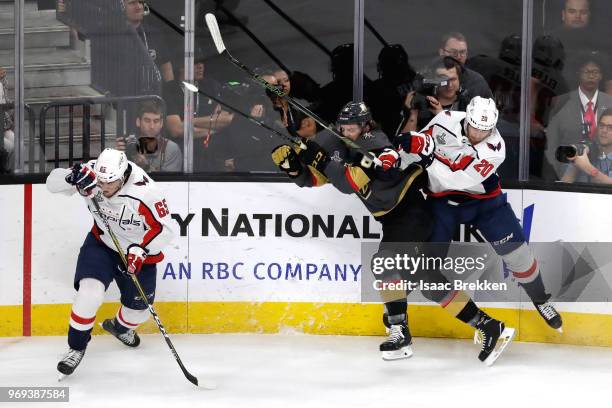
(143, 182)
(495, 147)
(441, 138)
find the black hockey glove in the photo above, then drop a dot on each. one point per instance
(83, 178)
(314, 156)
(287, 160)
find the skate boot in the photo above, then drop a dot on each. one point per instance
(129, 338)
(549, 314)
(70, 362)
(397, 345)
(494, 337)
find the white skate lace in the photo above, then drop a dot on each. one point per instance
(395, 333)
(479, 338)
(73, 357)
(128, 336)
(547, 311)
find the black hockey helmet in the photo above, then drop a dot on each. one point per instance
(393, 63)
(354, 113)
(511, 49)
(390, 57)
(342, 60)
(549, 51)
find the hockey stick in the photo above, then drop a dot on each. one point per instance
(290, 138)
(376, 33)
(192, 379)
(213, 27)
(252, 36)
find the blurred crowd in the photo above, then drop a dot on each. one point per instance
(570, 91)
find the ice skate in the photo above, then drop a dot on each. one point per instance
(129, 338)
(549, 314)
(70, 362)
(494, 337)
(398, 344)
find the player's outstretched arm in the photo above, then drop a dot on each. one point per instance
(56, 182)
(304, 167)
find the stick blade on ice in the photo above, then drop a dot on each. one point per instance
(207, 385)
(213, 27)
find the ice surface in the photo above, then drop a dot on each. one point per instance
(310, 371)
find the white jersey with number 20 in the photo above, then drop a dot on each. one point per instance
(459, 167)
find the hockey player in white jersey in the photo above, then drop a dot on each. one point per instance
(464, 188)
(137, 213)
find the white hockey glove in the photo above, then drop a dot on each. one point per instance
(389, 158)
(416, 147)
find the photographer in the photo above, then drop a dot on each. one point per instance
(578, 110)
(592, 162)
(149, 149)
(437, 90)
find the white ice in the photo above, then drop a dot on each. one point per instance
(294, 371)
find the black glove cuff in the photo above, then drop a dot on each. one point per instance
(136, 245)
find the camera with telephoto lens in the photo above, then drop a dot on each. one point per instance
(424, 87)
(566, 152)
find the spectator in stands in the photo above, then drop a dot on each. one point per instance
(595, 164)
(209, 117)
(575, 27)
(209, 122)
(579, 35)
(576, 119)
(148, 148)
(454, 44)
(7, 127)
(576, 14)
(152, 38)
(389, 91)
(291, 119)
(548, 83)
(337, 93)
(245, 145)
